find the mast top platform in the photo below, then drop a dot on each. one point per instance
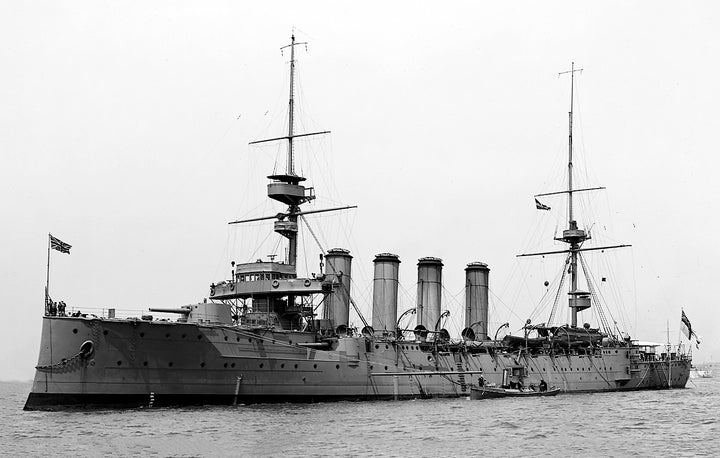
(286, 178)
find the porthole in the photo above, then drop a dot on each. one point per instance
(337, 366)
(167, 336)
(170, 364)
(183, 336)
(75, 331)
(199, 337)
(144, 363)
(289, 342)
(142, 334)
(282, 366)
(105, 332)
(225, 365)
(371, 367)
(232, 365)
(385, 367)
(238, 339)
(377, 346)
(314, 366)
(119, 363)
(202, 364)
(225, 338)
(261, 365)
(249, 340)
(386, 347)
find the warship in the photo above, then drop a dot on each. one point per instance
(267, 334)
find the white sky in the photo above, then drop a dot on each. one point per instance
(124, 130)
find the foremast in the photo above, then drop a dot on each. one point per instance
(274, 286)
(286, 188)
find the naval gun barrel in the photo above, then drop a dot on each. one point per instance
(182, 311)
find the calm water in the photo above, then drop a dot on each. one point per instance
(651, 423)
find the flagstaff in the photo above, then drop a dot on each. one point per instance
(47, 279)
(54, 243)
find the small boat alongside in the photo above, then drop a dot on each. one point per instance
(492, 392)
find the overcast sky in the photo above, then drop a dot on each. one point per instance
(124, 129)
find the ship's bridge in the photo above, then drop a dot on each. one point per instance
(264, 279)
(260, 270)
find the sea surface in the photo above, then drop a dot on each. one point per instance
(682, 422)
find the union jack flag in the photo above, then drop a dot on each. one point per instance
(57, 244)
(688, 330)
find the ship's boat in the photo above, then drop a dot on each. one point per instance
(490, 392)
(269, 334)
(512, 342)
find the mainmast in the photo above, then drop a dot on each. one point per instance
(570, 141)
(579, 300)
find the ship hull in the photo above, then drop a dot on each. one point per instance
(134, 363)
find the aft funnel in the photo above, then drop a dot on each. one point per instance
(385, 292)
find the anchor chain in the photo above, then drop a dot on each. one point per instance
(70, 364)
(66, 365)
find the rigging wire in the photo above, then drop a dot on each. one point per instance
(560, 289)
(599, 306)
(357, 310)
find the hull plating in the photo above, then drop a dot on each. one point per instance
(140, 363)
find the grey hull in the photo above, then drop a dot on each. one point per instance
(143, 363)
